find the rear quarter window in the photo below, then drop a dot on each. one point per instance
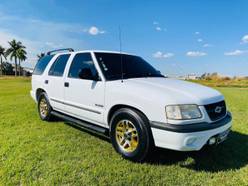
(42, 64)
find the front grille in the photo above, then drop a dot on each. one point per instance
(216, 110)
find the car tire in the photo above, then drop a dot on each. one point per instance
(44, 107)
(131, 134)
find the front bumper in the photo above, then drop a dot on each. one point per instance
(188, 137)
(32, 94)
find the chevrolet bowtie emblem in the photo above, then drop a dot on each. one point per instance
(218, 109)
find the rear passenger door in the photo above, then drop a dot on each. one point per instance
(84, 98)
(55, 82)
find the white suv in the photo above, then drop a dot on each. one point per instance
(123, 96)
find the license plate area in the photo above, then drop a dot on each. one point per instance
(222, 136)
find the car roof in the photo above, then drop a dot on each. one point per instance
(103, 51)
(100, 51)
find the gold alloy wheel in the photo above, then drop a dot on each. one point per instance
(126, 136)
(43, 107)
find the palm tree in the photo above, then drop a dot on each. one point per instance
(41, 55)
(2, 55)
(22, 56)
(13, 51)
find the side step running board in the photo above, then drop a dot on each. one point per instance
(82, 124)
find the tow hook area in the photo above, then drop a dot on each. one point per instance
(219, 138)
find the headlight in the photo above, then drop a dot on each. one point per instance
(183, 112)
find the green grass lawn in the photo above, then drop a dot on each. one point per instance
(235, 83)
(34, 152)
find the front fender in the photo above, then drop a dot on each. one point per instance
(151, 110)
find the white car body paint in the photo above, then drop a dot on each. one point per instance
(149, 95)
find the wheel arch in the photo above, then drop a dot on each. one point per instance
(114, 108)
(38, 93)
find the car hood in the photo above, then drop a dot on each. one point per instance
(173, 91)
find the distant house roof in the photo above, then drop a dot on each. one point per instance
(28, 69)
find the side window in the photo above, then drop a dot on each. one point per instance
(80, 62)
(42, 64)
(58, 67)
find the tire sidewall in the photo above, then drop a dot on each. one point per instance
(48, 116)
(143, 133)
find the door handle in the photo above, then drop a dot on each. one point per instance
(46, 81)
(66, 84)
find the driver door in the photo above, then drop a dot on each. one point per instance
(84, 98)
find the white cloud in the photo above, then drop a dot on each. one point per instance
(168, 55)
(95, 31)
(197, 33)
(207, 45)
(158, 28)
(245, 39)
(161, 55)
(33, 47)
(41, 36)
(53, 45)
(199, 40)
(158, 54)
(195, 54)
(235, 53)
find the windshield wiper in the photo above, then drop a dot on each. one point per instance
(148, 74)
(154, 75)
(129, 76)
(116, 76)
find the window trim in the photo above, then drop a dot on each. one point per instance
(97, 66)
(49, 62)
(100, 69)
(94, 64)
(54, 63)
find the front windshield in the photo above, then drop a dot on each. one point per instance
(133, 66)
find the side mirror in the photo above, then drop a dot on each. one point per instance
(86, 73)
(158, 72)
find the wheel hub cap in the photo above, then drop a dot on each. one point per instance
(43, 107)
(127, 136)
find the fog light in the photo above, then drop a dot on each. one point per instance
(190, 141)
(212, 141)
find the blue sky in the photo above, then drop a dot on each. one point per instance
(178, 37)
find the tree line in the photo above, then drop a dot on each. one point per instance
(16, 52)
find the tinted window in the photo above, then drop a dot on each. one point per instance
(58, 67)
(81, 61)
(41, 64)
(133, 66)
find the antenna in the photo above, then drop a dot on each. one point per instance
(121, 54)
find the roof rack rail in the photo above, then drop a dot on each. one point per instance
(58, 50)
